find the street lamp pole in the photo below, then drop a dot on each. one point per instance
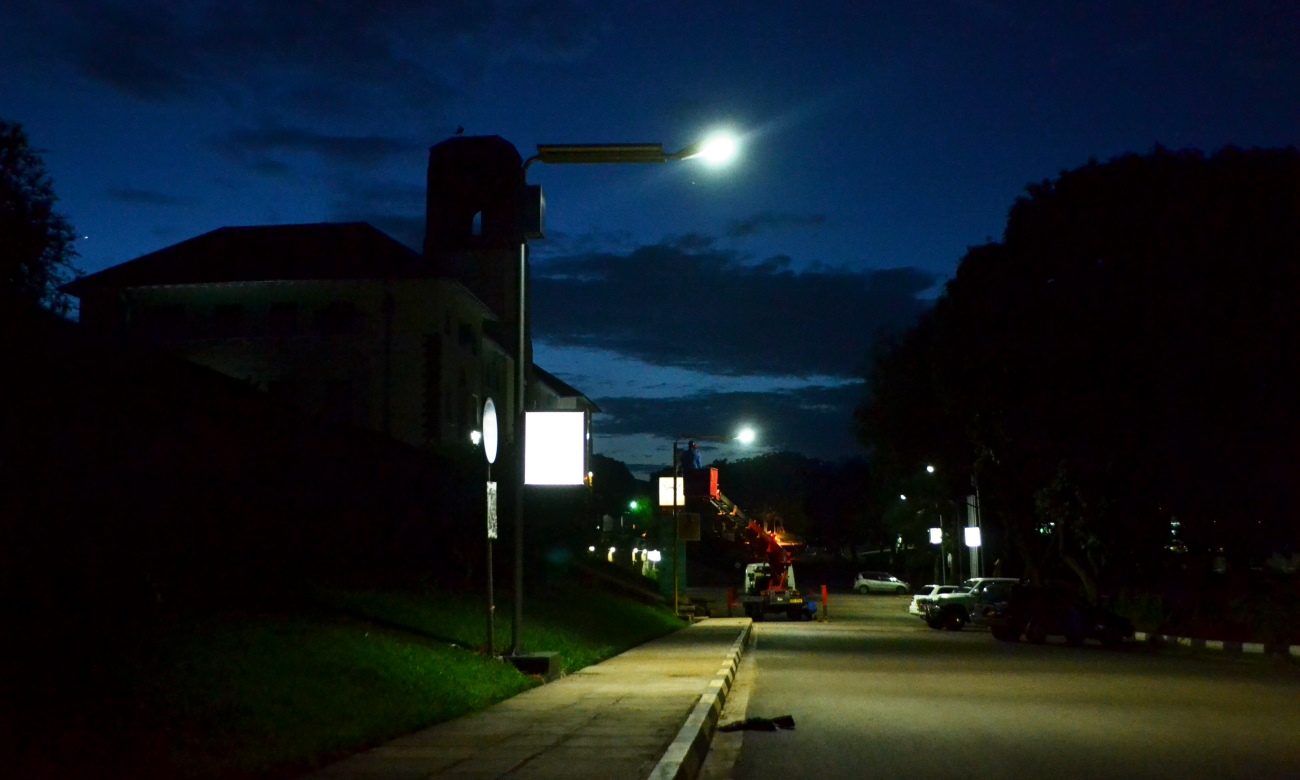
(717, 150)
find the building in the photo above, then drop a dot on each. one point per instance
(343, 320)
(346, 321)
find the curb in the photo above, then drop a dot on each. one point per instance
(685, 755)
(1239, 648)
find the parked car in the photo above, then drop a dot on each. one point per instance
(879, 582)
(953, 610)
(928, 592)
(1039, 612)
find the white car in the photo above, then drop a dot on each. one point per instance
(928, 592)
(879, 582)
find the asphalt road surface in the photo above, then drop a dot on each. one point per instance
(875, 693)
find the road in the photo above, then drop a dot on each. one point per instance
(875, 693)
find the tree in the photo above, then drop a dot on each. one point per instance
(1121, 357)
(817, 502)
(36, 242)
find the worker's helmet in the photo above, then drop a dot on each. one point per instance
(692, 445)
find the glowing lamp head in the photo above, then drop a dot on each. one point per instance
(746, 436)
(719, 149)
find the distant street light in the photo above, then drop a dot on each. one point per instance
(716, 149)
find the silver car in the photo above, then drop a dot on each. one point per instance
(927, 593)
(879, 582)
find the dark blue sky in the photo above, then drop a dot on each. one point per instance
(880, 140)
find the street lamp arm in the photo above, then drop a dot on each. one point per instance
(560, 154)
(716, 149)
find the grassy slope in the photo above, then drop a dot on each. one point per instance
(240, 693)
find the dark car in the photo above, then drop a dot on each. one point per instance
(1038, 612)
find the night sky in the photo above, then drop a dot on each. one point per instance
(880, 139)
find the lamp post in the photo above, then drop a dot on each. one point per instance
(744, 436)
(717, 149)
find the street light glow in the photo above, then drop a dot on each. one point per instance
(746, 436)
(929, 469)
(719, 149)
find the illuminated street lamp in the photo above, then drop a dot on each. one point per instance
(718, 149)
(715, 149)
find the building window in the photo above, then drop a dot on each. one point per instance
(340, 318)
(467, 338)
(163, 323)
(492, 372)
(464, 415)
(282, 321)
(228, 321)
(340, 402)
(282, 390)
(432, 388)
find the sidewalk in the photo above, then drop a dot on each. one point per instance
(649, 712)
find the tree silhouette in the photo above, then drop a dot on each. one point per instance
(1122, 357)
(36, 242)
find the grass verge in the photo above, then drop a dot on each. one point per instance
(276, 692)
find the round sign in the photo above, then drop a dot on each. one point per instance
(490, 431)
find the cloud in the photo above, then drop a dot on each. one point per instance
(334, 58)
(689, 305)
(559, 244)
(137, 197)
(816, 421)
(395, 208)
(367, 150)
(771, 220)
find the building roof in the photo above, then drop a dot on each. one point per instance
(561, 388)
(322, 251)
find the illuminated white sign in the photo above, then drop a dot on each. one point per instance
(972, 536)
(936, 536)
(555, 448)
(666, 491)
(490, 431)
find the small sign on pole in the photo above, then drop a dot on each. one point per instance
(491, 510)
(688, 524)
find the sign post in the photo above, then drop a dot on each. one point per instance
(490, 451)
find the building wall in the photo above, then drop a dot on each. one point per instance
(404, 357)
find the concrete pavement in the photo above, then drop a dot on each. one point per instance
(647, 713)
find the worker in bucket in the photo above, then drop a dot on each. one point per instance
(691, 459)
